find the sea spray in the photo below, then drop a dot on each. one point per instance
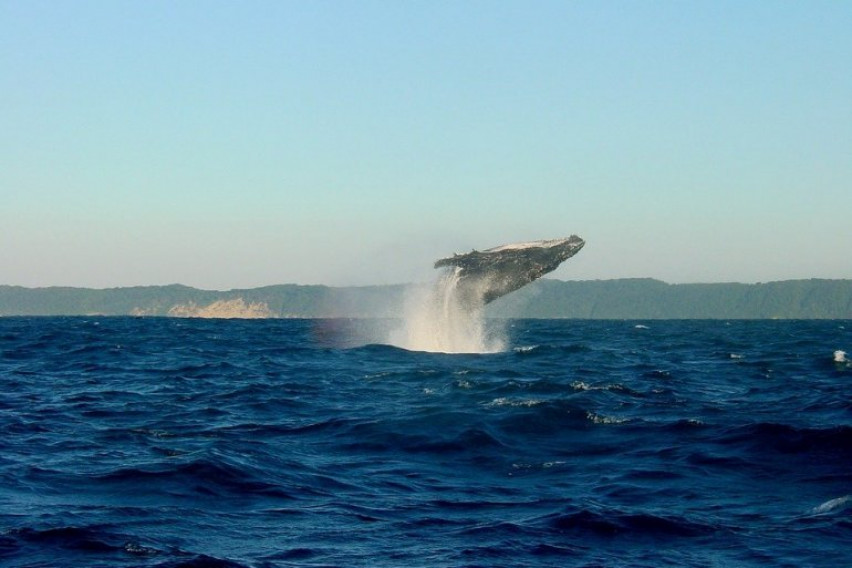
(437, 318)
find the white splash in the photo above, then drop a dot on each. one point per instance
(436, 320)
(840, 356)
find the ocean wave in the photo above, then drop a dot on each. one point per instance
(550, 350)
(619, 524)
(394, 438)
(525, 419)
(504, 401)
(270, 444)
(200, 561)
(89, 539)
(610, 387)
(77, 545)
(200, 477)
(786, 438)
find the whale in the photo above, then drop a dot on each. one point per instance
(483, 276)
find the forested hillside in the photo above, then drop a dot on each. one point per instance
(598, 299)
(653, 299)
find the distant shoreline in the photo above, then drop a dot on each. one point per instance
(635, 298)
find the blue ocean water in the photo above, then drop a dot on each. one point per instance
(278, 443)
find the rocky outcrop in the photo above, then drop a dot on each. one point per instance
(234, 308)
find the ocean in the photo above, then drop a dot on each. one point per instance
(190, 443)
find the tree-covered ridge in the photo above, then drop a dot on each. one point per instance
(287, 300)
(597, 299)
(653, 299)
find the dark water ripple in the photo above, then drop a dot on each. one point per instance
(278, 443)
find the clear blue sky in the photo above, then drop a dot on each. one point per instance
(238, 144)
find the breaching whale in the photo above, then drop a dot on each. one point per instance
(484, 276)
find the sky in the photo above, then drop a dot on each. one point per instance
(239, 144)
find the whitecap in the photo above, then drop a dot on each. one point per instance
(376, 376)
(840, 356)
(139, 550)
(505, 401)
(599, 419)
(540, 466)
(832, 505)
(584, 386)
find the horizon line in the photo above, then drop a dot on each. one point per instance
(178, 284)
